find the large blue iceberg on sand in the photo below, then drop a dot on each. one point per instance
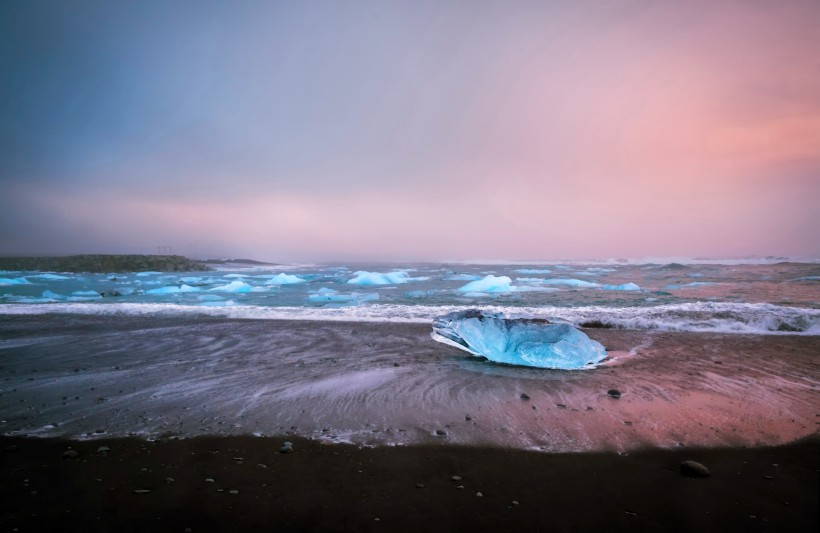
(518, 341)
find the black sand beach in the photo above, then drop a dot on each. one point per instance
(192, 391)
(164, 486)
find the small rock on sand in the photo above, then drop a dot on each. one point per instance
(524, 396)
(70, 454)
(693, 469)
(614, 393)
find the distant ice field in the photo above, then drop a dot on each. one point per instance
(758, 297)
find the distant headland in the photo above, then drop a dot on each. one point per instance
(105, 263)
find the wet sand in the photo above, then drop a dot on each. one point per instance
(198, 387)
(388, 383)
(164, 486)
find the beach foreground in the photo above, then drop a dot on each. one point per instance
(382, 417)
(164, 486)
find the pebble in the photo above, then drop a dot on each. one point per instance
(103, 449)
(169, 480)
(456, 478)
(70, 454)
(209, 480)
(419, 485)
(286, 448)
(693, 469)
(141, 491)
(479, 495)
(614, 393)
(524, 396)
(441, 432)
(233, 491)
(515, 502)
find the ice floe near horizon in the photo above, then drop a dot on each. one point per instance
(326, 295)
(570, 282)
(397, 277)
(173, 289)
(518, 341)
(285, 279)
(462, 277)
(14, 281)
(488, 284)
(533, 271)
(237, 286)
(623, 287)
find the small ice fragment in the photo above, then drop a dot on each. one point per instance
(234, 286)
(379, 278)
(488, 284)
(285, 279)
(173, 289)
(624, 287)
(571, 283)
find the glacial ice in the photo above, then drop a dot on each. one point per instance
(379, 278)
(533, 271)
(52, 295)
(571, 283)
(326, 295)
(50, 277)
(173, 289)
(285, 279)
(488, 284)
(14, 281)
(234, 286)
(692, 284)
(86, 293)
(624, 287)
(462, 277)
(518, 341)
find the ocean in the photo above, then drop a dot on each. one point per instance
(702, 353)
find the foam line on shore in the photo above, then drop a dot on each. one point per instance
(717, 317)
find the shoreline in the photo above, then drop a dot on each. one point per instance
(376, 383)
(136, 485)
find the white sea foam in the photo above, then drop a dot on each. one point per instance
(719, 317)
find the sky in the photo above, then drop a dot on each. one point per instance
(415, 130)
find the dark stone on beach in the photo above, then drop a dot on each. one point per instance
(70, 454)
(524, 396)
(468, 418)
(693, 469)
(103, 449)
(441, 433)
(597, 324)
(614, 393)
(560, 406)
(287, 447)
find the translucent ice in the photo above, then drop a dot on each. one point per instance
(518, 341)
(571, 283)
(326, 295)
(462, 277)
(379, 278)
(624, 287)
(173, 289)
(285, 279)
(488, 284)
(533, 271)
(234, 286)
(14, 281)
(50, 277)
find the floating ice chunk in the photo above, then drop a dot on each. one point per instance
(235, 276)
(695, 274)
(173, 289)
(239, 287)
(86, 293)
(488, 284)
(210, 298)
(285, 279)
(53, 295)
(462, 277)
(518, 341)
(148, 273)
(50, 277)
(692, 284)
(14, 281)
(226, 303)
(533, 271)
(624, 287)
(191, 279)
(327, 295)
(571, 283)
(379, 278)
(418, 294)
